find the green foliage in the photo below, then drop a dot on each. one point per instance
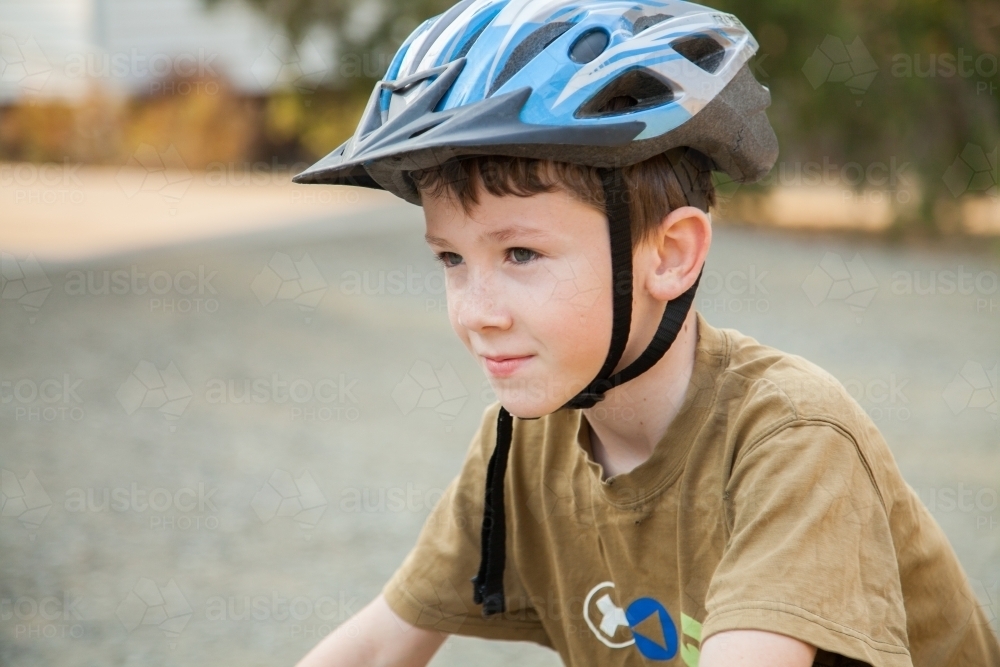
(936, 88)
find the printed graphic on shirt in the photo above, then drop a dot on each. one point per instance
(643, 623)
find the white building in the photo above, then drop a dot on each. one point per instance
(59, 48)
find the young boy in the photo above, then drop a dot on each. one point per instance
(656, 489)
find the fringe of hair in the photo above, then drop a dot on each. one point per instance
(655, 187)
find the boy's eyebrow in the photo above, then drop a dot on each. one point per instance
(507, 233)
(436, 240)
(496, 236)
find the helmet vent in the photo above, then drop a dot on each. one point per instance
(526, 51)
(472, 41)
(588, 46)
(702, 50)
(644, 22)
(425, 130)
(635, 90)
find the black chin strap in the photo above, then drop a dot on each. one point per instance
(488, 583)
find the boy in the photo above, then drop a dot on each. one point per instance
(656, 490)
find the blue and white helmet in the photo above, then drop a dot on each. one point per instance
(536, 78)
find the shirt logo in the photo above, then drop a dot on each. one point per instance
(645, 623)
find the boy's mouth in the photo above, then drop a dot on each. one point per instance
(502, 366)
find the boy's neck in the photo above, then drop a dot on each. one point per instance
(627, 425)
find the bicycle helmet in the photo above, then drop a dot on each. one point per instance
(601, 83)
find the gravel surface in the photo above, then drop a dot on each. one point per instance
(227, 453)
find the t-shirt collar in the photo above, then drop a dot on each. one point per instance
(662, 468)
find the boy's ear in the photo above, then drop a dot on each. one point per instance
(675, 252)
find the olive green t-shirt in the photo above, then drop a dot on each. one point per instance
(771, 503)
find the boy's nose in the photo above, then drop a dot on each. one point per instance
(480, 313)
(478, 306)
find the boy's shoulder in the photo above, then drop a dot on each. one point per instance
(788, 385)
(762, 390)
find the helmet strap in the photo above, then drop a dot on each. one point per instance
(676, 311)
(488, 583)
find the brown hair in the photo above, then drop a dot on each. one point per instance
(655, 187)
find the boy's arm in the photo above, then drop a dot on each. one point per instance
(375, 637)
(755, 648)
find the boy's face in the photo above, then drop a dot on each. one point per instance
(528, 283)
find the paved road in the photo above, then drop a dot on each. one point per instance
(167, 503)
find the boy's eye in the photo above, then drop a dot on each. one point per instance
(449, 259)
(522, 255)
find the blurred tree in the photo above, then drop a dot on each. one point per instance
(210, 124)
(881, 95)
(883, 82)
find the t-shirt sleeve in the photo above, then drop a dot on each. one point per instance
(809, 552)
(433, 586)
